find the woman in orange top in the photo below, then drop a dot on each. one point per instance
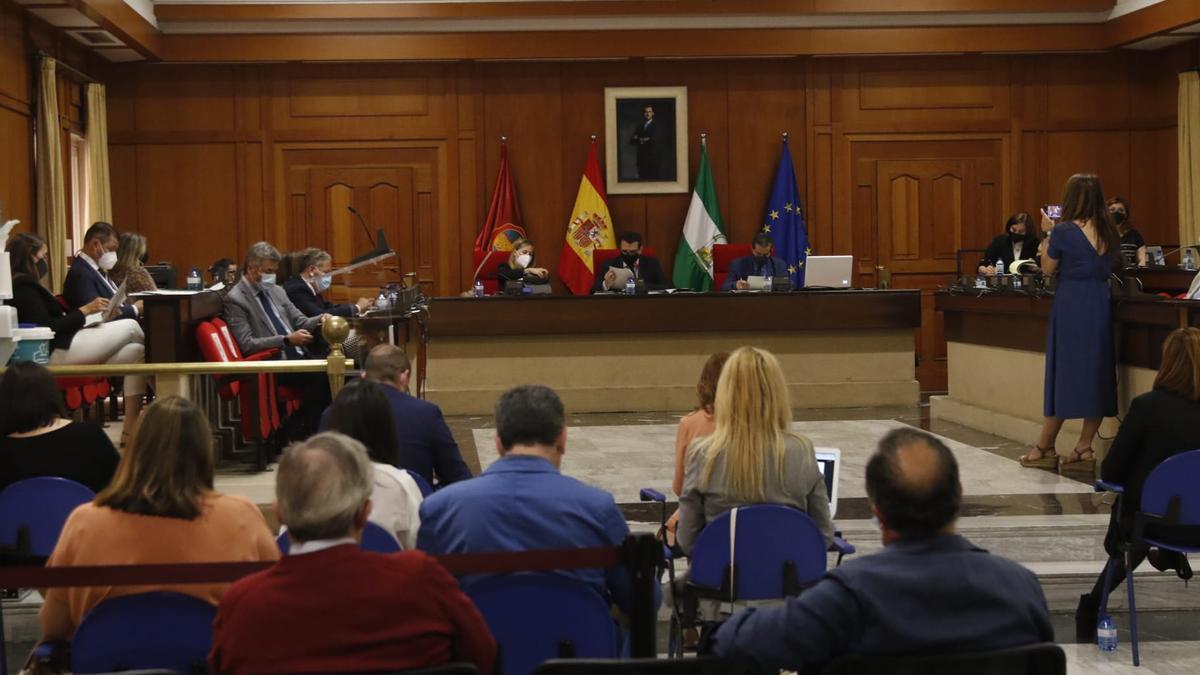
(696, 424)
(159, 508)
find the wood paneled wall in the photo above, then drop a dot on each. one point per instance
(16, 130)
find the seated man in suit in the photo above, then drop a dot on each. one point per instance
(426, 446)
(305, 288)
(260, 316)
(522, 502)
(760, 264)
(88, 277)
(329, 606)
(644, 267)
(929, 590)
(1017, 243)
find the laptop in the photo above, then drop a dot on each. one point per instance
(829, 462)
(828, 271)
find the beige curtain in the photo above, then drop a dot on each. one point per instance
(1189, 158)
(99, 189)
(51, 186)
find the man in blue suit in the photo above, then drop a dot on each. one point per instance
(761, 264)
(88, 277)
(929, 590)
(426, 446)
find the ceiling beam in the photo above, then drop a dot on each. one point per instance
(122, 21)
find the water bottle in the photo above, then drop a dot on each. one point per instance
(478, 288)
(630, 286)
(383, 302)
(980, 281)
(999, 268)
(768, 282)
(1106, 634)
(193, 280)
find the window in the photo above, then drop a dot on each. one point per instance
(80, 210)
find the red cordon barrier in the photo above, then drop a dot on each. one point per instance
(217, 572)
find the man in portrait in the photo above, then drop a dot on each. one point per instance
(646, 140)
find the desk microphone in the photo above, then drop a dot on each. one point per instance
(362, 222)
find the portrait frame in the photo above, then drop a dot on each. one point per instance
(664, 155)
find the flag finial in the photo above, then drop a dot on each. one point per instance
(504, 139)
(785, 135)
(703, 138)
(593, 137)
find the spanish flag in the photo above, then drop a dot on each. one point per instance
(589, 228)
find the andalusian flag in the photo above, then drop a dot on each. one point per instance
(701, 229)
(589, 228)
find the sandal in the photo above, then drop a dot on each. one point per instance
(1046, 458)
(1078, 456)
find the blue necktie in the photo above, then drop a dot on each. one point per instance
(277, 323)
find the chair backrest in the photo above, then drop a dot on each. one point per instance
(212, 345)
(1036, 659)
(42, 505)
(422, 484)
(227, 336)
(723, 257)
(489, 271)
(703, 665)
(146, 630)
(777, 549)
(1178, 476)
(375, 539)
(537, 617)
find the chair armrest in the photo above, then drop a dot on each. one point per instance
(1105, 486)
(264, 355)
(652, 495)
(842, 547)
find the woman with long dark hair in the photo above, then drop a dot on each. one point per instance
(1083, 249)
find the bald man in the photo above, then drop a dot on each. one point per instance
(929, 590)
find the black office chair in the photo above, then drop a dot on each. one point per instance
(704, 665)
(1044, 658)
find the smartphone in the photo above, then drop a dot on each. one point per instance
(1054, 211)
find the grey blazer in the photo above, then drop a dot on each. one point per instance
(249, 323)
(801, 486)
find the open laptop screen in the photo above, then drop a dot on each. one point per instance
(828, 461)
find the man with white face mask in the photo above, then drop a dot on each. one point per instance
(261, 317)
(306, 288)
(88, 277)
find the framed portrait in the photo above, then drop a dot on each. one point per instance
(646, 140)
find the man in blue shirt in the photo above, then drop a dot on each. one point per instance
(928, 590)
(523, 503)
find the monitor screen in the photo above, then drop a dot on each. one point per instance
(828, 460)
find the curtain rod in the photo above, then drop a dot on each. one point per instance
(67, 67)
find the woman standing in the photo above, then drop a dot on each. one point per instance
(130, 269)
(1083, 250)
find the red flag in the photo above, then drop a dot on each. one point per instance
(590, 227)
(503, 224)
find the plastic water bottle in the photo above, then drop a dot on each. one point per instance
(478, 288)
(1106, 634)
(193, 280)
(383, 301)
(999, 268)
(630, 286)
(768, 283)
(980, 281)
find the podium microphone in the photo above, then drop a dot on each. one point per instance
(362, 222)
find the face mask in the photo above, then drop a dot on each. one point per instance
(761, 259)
(107, 261)
(267, 281)
(323, 281)
(1014, 237)
(630, 257)
(1119, 217)
(524, 259)
(43, 268)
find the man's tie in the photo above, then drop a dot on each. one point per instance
(289, 351)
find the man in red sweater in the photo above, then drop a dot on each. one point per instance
(329, 606)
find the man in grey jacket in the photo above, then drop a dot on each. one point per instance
(261, 317)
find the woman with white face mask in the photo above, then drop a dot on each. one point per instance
(520, 265)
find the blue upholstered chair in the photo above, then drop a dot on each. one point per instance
(33, 512)
(374, 538)
(144, 631)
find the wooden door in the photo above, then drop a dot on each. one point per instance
(917, 203)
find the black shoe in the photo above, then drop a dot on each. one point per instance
(1086, 616)
(1170, 560)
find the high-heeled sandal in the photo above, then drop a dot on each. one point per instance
(1081, 457)
(1046, 458)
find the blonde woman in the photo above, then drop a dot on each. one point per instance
(130, 268)
(752, 456)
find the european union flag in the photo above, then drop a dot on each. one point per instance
(784, 220)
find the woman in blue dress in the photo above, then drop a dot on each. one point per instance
(1083, 249)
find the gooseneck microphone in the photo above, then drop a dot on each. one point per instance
(362, 222)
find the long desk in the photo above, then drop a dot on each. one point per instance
(996, 351)
(644, 353)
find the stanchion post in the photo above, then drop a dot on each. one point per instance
(336, 330)
(641, 554)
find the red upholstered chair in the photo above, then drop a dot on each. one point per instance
(290, 396)
(80, 391)
(723, 257)
(489, 269)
